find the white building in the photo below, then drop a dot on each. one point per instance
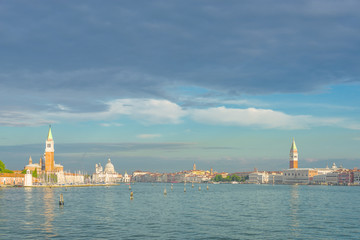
(332, 178)
(258, 177)
(108, 175)
(299, 175)
(126, 178)
(319, 179)
(28, 179)
(70, 178)
(276, 178)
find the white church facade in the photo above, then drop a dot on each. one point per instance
(106, 175)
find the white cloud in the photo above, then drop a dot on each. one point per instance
(148, 136)
(264, 118)
(248, 117)
(148, 111)
(153, 111)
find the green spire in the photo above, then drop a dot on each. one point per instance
(50, 134)
(293, 146)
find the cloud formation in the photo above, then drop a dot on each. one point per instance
(233, 47)
(264, 118)
(155, 111)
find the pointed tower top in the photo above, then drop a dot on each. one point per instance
(50, 137)
(293, 146)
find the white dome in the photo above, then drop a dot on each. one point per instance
(109, 167)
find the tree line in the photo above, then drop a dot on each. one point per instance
(229, 178)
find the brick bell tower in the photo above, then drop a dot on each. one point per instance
(49, 153)
(293, 155)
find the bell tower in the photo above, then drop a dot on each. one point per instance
(49, 153)
(293, 155)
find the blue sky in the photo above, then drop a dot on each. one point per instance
(157, 85)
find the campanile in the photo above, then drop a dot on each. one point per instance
(293, 155)
(49, 153)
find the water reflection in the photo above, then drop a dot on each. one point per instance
(294, 210)
(29, 206)
(49, 206)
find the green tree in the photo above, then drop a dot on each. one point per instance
(23, 171)
(218, 178)
(3, 168)
(34, 174)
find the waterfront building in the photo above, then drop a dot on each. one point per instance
(319, 179)
(70, 178)
(108, 175)
(332, 178)
(48, 165)
(356, 177)
(299, 175)
(193, 175)
(276, 178)
(28, 179)
(126, 178)
(345, 177)
(12, 178)
(330, 175)
(258, 177)
(324, 171)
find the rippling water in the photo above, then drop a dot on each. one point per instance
(225, 211)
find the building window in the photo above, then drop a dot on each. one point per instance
(49, 145)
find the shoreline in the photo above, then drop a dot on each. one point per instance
(60, 186)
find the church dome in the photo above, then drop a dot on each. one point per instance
(109, 167)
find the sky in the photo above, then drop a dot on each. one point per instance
(159, 85)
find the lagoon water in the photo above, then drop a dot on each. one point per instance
(225, 211)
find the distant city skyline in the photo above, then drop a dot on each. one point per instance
(160, 85)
